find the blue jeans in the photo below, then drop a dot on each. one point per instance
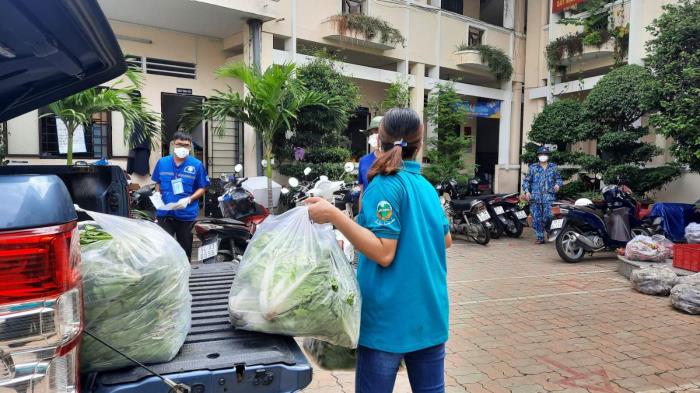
(376, 370)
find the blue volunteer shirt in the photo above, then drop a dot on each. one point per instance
(405, 306)
(193, 175)
(365, 163)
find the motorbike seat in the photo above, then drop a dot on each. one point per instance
(224, 221)
(591, 210)
(464, 204)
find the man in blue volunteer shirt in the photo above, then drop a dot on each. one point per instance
(368, 159)
(180, 180)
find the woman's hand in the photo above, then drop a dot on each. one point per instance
(321, 211)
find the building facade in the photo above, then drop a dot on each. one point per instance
(180, 43)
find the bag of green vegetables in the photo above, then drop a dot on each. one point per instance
(135, 291)
(295, 280)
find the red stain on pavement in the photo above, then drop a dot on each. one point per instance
(594, 381)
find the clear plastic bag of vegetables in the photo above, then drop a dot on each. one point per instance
(329, 356)
(295, 280)
(654, 280)
(135, 291)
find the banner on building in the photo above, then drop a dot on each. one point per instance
(562, 5)
(490, 109)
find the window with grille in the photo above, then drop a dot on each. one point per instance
(475, 36)
(156, 66)
(353, 6)
(456, 6)
(98, 137)
(3, 140)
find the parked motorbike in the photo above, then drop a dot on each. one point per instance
(466, 215)
(141, 205)
(225, 239)
(587, 228)
(508, 213)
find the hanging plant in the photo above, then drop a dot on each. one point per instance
(497, 60)
(369, 27)
(570, 45)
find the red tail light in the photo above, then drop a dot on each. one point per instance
(38, 263)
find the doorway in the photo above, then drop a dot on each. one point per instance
(487, 149)
(355, 133)
(172, 107)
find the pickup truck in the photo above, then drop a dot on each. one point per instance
(48, 52)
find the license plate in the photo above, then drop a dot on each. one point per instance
(498, 210)
(483, 216)
(208, 251)
(521, 214)
(557, 224)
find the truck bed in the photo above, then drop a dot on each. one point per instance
(216, 357)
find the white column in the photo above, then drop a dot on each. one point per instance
(635, 54)
(293, 46)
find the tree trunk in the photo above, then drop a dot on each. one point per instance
(69, 152)
(268, 170)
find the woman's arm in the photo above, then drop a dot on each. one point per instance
(448, 240)
(377, 249)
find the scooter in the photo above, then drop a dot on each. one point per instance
(141, 205)
(510, 215)
(225, 239)
(586, 228)
(467, 215)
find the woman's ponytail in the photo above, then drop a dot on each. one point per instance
(400, 135)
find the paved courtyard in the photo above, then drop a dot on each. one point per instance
(523, 321)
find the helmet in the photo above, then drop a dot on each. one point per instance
(583, 202)
(543, 150)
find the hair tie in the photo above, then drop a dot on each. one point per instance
(401, 143)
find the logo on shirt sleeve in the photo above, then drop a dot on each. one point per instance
(385, 213)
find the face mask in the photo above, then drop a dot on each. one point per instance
(543, 158)
(182, 152)
(373, 141)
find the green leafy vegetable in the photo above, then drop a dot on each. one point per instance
(295, 280)
(135, 292)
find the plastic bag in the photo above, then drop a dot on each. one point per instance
(693, 279)
(329, 356)
(651, 249)
(686, 297)
(295, 280)
(654, 280)
(692, 233)
(135, 292)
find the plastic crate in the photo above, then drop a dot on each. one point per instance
(687, 256)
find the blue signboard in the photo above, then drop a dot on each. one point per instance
(490, 109)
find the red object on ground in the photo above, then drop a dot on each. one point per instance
(687, 256)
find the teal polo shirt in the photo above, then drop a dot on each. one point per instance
(405, 306)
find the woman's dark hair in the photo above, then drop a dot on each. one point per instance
(400, 137)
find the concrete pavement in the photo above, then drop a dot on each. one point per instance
(523, 321)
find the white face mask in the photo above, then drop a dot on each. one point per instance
(373, 141)
(182, 152)
(543, 158)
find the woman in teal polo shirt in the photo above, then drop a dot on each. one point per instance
(402, 234)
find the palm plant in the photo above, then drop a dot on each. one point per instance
(122, 97)
(271, 105)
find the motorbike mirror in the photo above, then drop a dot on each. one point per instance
(599, 176)
(238, 168)
(293, 182)
(307, 170)
(349, 167)
(284, 191)
(263, 163)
